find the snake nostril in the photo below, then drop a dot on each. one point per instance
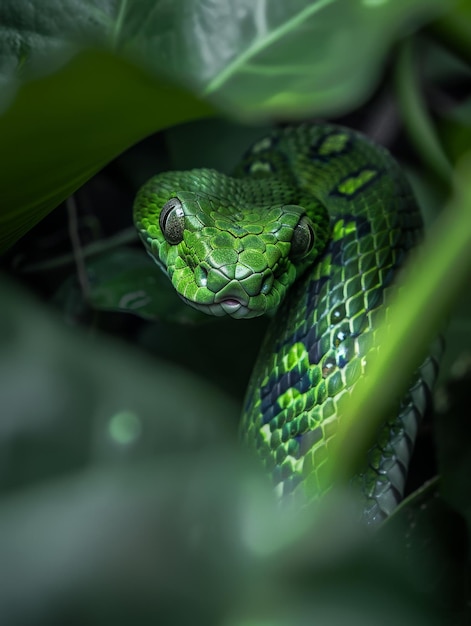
(267, 283)
(201, 276)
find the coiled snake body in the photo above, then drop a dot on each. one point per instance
(311, 229)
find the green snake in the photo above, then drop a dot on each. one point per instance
(311, 229)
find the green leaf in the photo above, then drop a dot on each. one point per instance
(194, 539)
(300, 57)
(239, 52)
(66, 126)
(162, 542)
(252, 60)
(129, 281)
(67, 401)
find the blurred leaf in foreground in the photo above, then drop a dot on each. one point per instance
(68, 402)
(124, 500)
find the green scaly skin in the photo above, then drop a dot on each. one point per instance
(243, 248)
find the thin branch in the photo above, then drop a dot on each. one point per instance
(129, 235)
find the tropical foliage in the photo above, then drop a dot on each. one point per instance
(125, 497)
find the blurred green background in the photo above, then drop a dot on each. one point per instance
(125, 497)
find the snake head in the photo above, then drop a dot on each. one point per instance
(228, 249)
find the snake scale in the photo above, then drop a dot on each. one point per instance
(311, 229)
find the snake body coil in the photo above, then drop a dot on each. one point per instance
(323, 216)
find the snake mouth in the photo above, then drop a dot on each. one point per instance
(232, 303)
(232, 297)
(233, 307)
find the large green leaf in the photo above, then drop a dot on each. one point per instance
(251, 59)
(303, 57)
(66, 126)
(257, 58)
(123, 500)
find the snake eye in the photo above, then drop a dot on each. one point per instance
(172, 221)
(303, 238)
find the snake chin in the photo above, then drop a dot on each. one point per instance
(229, 306)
